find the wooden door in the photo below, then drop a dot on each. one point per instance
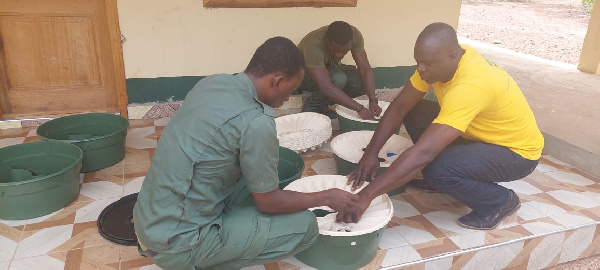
(60, 57)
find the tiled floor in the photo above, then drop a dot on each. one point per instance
(557, 221)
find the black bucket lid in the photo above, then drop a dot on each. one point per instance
(115, 222)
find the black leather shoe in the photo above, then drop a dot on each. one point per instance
(477, 222)
(420, 185)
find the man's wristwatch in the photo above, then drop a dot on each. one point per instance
(373, 100)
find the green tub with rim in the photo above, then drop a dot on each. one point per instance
(38, 178)
(347, 151)
(290, 166)
(101, 137)
(343, 245)
(350, 121)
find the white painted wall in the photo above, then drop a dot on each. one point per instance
(182, 38)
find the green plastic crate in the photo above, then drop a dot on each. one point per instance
(38, 178)
(101, 136)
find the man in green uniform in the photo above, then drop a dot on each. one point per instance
(329, 80)
(220, 147)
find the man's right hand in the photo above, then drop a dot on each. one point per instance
(368, 165)
(365, 114)
(340, 200)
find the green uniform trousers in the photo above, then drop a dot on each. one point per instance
(345, 77)
(245, 237)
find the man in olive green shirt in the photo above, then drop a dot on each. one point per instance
(220, 147)
(332, 82)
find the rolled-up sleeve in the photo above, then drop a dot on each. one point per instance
(259, 154)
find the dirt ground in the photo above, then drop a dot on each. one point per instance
(551, 29)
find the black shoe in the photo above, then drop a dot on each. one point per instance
(420, 185)
(477, 222)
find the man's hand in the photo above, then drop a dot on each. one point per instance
(368, 165)
(340, 200)
(365, 114)
(353, 215)
(374, 108)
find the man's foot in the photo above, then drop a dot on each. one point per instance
(477, 222)
(420, 185)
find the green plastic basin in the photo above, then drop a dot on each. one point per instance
(38, 178)
(290, 167)
(101, 136)
(342, 252)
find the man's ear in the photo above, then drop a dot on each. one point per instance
(453, 55)
(277, 80)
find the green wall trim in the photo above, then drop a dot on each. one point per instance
(165, 89)
(162, 89)
(392, 77)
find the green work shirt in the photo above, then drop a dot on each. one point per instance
(221, 133)
(316, 54)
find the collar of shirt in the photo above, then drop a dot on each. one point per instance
(245, 81)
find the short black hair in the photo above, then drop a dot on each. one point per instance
(339, 32)
(277, 54)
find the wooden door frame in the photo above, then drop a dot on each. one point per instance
(114, 32)
(116, 50)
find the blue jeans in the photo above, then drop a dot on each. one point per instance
(468, 170)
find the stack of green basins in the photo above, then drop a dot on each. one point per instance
(38, 178)
(101, 137)
(348, 149)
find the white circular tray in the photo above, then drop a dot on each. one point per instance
(353, 115)
(377, 216)
(303, 131)
(349, 146)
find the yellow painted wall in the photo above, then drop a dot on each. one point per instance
(182, 38)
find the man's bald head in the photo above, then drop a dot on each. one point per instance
(438, 36)
(437, 53)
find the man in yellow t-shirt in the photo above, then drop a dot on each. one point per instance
(481, 132)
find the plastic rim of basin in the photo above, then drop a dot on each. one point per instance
(38, 178)
(303, 131)
(350, 121)
(340, 245)
(348, 149)
(290, 167)
(101, 136)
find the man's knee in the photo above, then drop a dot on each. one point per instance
(338, 78)
(440, 176)
(310, 225)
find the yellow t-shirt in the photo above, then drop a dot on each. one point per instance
(485, 103)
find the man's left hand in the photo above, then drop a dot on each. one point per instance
(374, 108)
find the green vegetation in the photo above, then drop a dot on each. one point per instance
(588, 4)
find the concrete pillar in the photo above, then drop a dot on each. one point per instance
(589, 61)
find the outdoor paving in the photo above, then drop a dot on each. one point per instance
(557, 221)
